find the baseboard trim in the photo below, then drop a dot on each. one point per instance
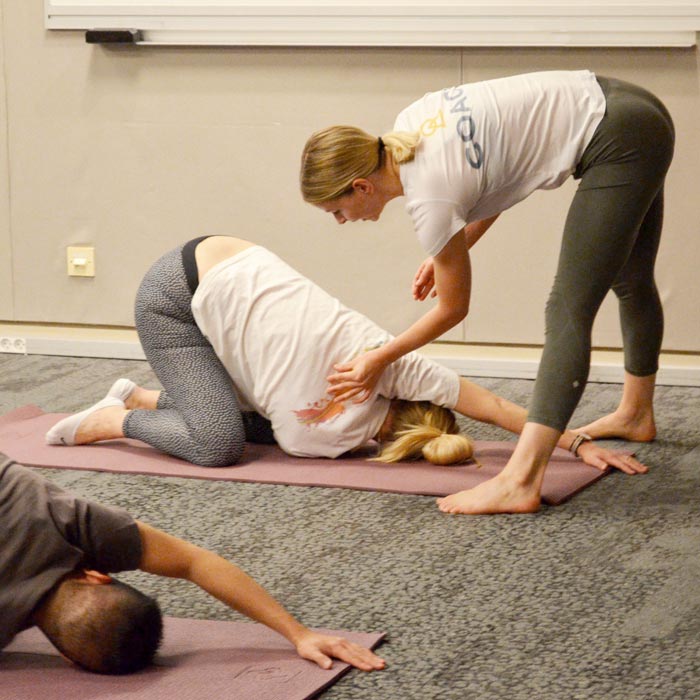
(470, 361)
(605, 372)
(114, 349)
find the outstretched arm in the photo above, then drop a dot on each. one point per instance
(424, 280)
(474, 231)
(165, 555)
(483, 405)
(358, 377)
(480, 404)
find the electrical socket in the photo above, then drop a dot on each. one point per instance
(80, 260)
(13, 345)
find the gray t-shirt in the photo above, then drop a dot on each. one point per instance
(45, 533)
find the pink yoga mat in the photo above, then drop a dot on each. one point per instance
(198, 659)
(22, 438)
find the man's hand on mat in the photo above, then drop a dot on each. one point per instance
(323, 648)
(357, 378)
(602, 458)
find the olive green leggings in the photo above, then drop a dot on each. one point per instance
(610, 241)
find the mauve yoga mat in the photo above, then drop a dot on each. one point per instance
(22, 438)
(198, 659)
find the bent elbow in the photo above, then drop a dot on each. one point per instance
(464, 311)
(456, 314)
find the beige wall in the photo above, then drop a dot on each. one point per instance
(137, 150)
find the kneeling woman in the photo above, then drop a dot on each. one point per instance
(233, 334)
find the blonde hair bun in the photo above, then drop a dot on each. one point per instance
(421, 429)
(448, 448)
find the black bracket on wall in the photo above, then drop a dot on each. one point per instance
(113, 36)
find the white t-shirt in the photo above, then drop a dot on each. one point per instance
(486, 146)
(279, 335)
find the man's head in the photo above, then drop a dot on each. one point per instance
(101, 624)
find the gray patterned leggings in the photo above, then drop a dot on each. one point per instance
(198, 417)
(610, 241)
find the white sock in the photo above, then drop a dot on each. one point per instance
(122, 389)
(63, 433)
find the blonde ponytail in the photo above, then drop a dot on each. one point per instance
(422, 429)
(402, 145)
(335, 157)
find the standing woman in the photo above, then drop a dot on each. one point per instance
(463, 155)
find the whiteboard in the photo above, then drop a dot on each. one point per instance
(458, 23)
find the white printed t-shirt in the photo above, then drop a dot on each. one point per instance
(486, 146)
(278, 335)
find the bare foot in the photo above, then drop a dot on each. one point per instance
(637, 428)
(497, 495)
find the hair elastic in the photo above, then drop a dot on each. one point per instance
(381, 144)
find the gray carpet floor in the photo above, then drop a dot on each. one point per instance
(597, 598)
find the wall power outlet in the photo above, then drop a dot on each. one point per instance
(13, 345)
